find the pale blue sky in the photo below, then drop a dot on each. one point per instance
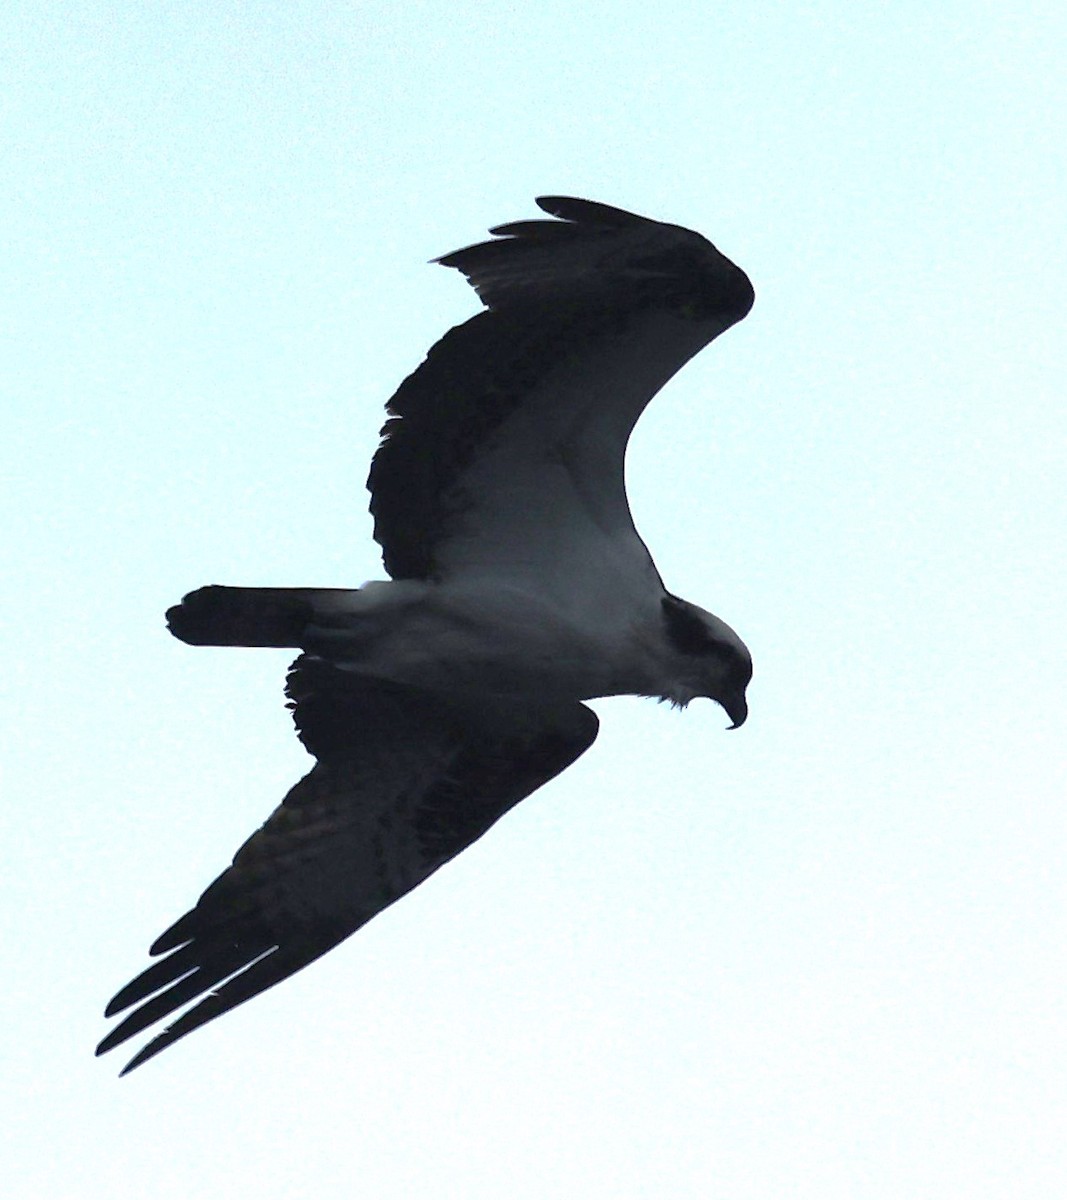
(821, 957)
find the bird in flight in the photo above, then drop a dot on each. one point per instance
(434, 702)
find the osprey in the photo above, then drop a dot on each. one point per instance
(519, 588)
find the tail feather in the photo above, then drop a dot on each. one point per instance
(244, 616)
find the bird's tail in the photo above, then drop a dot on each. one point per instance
(246, 616)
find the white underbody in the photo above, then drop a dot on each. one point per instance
(491, 640)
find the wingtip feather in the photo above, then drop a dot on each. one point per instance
(591, 212)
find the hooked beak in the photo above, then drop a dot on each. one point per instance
(736, 709)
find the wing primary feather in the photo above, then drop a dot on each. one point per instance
(265, 972)
(541, 230)
(187, 988)
(181, 931)
(158, 975)
(589, 212)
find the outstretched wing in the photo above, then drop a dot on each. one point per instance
(403, 783)
(503, 456)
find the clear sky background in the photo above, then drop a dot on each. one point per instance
(819, 958)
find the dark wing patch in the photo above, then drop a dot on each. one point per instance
(493, 777)
(472, 380)
(556, 290)
(493, 761)
(336, 712)
(404, 783)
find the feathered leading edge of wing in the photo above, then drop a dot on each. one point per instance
(404, 782)
(589, 316)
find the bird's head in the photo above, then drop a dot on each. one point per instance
(709, 658)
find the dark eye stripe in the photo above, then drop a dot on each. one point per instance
(686, 630)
